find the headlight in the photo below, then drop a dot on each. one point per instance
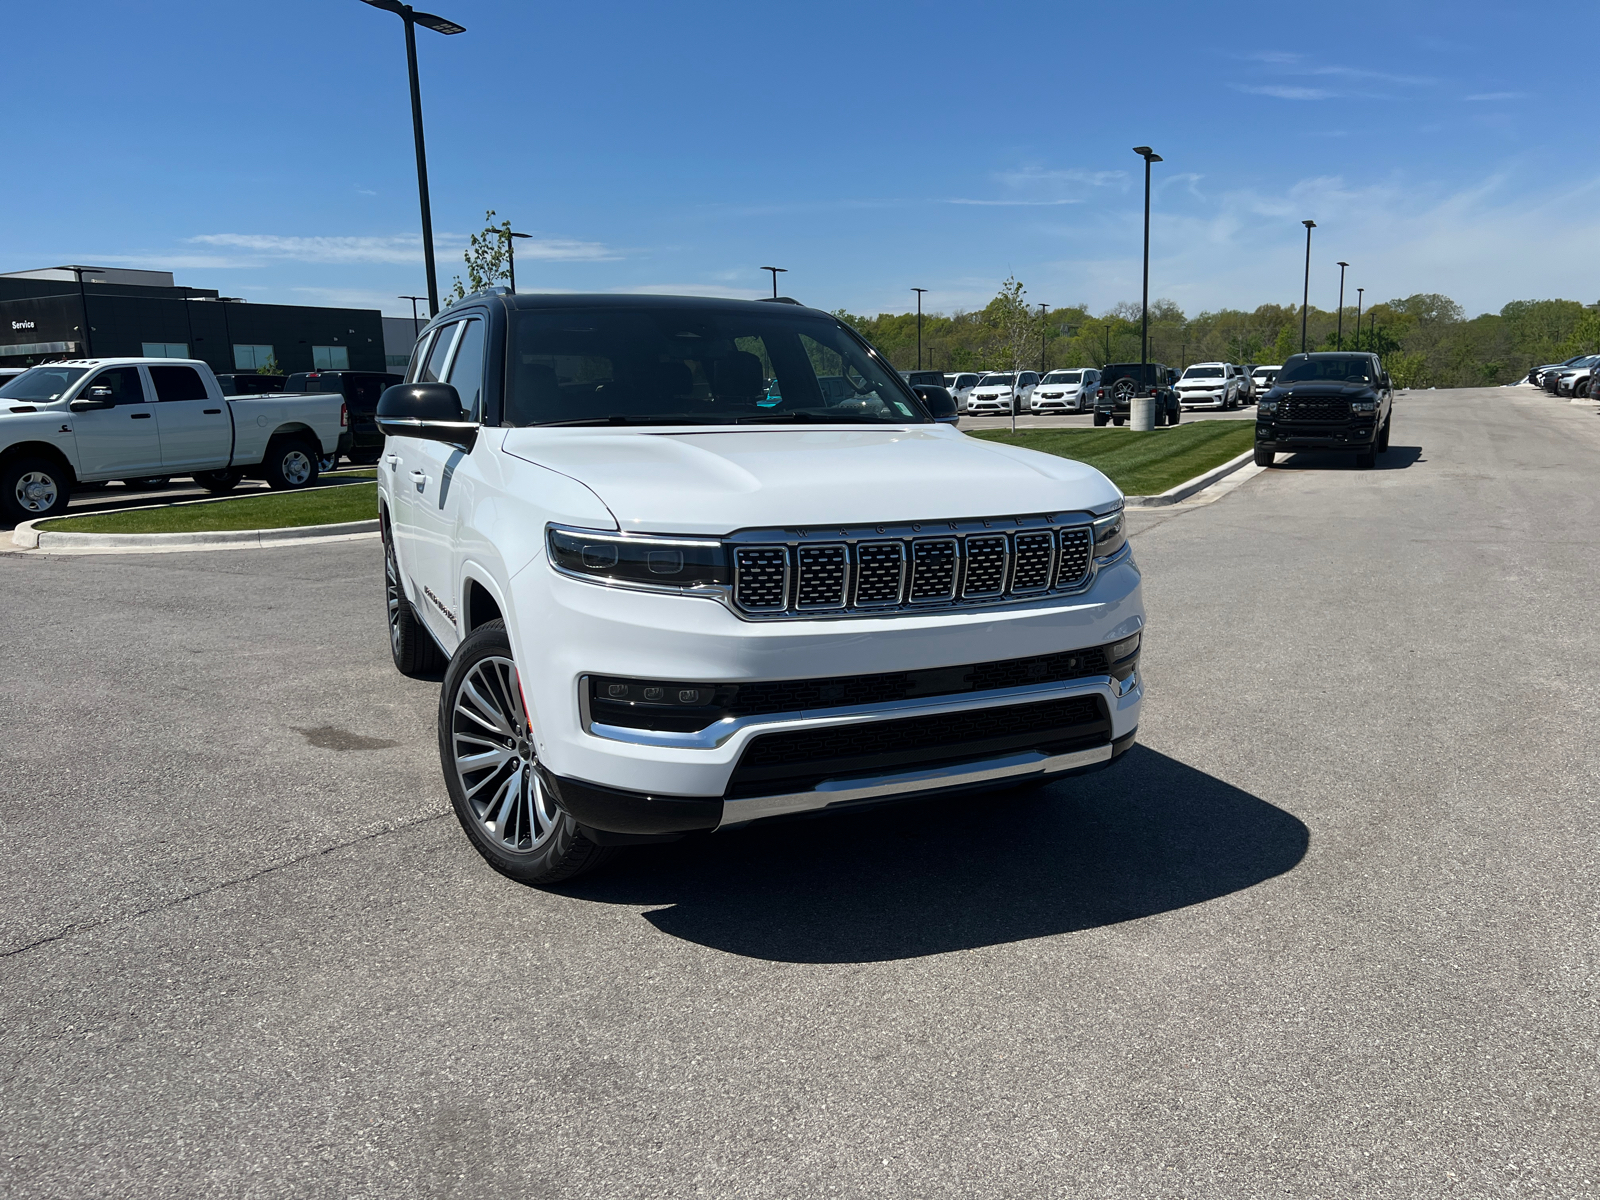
(657, 704)
(1126, 648)
(1267, 408)
(1110, 535)
(1363, 406)
(632, 560)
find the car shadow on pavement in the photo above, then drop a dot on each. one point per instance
(1395, 458)
(1147, 836)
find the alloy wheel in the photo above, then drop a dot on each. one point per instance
(392, 594)
(491, 747)
(36, 492)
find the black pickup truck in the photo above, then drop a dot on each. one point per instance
(1121, 382)
(1339, 402)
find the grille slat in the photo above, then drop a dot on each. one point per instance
(933, 570)
(1035, 555)
(880, 572)
(822, 574)
(1077, 546)
(986, 565)
(761, 578)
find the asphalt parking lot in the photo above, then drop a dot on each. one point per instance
(1328, 931)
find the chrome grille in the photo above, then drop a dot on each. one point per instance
(822, 577)
(937, 564)
(1077, 546)
(933, 570)
(880, 572)
(1035, 555)
(986, 565)
(761, 578)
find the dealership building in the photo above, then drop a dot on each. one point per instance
(96, 312)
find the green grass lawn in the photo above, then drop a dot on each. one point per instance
(276, 510)
(1141, 464)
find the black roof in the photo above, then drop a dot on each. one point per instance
(1321, 354)
(560, 300)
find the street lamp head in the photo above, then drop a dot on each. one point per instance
(780, 270)
(522, 235)
(1309, 224)
(426, 20)
(1341, 264)
(919, 290)
(1147, 154)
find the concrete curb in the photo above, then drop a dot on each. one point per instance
(1189, 487)
(29, 538)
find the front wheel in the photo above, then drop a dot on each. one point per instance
(32, 487)
(1383, 436)
(1175, 415)
(1099, 418)
(291, 463)
(1264, 458)
(490, 755)
(412, 647)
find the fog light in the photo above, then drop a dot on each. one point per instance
(617, 691)
(1124, 648)
(655, 693)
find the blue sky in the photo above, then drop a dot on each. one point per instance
(264, 149)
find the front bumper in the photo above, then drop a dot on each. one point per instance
(1282, 436)
(982, 404)
(1201, 400)
(567, 629)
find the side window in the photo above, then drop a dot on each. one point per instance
(419, 357)
(466, 370)
(178, 383)
(123, 382)
(433, 369)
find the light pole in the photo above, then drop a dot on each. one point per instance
(1358, 317)
(1107, 327)
(83, 304)
(1340, 343)
(412, 19)
(1306, 298)
(919, 292)
(511, 255)
(1043, 308)
(416, 325)
(776, 271)
(1149, 156)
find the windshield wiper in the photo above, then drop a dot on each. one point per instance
(619, 419)
(800, 414)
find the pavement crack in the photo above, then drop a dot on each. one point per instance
(225, 885)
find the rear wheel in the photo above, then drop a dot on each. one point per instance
(32, 487)
(412, 647)
(490, 756)
(1116, 420)
(1100, 418)
(219, 483)
(291, 463)
(1174, 415)
(1264, 458)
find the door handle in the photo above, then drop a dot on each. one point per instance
(393, 460)
(212, 412)
(139, 416)
(420, 478)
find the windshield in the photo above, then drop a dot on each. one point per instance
(1203, 373)
(43, 383)
(997, 381)
(689, 366)
(1064, 377)
(1331, 370)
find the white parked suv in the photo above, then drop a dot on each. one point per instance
(66, 424)
(1066, 391)
(1003, 392)
(676, 598)
(1209, 385)
(960, 384)
(1261, 379)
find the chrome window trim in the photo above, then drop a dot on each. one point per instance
(719, 733)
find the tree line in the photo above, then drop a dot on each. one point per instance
(1424, 340)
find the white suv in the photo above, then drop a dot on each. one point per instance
(960, 384)
(1003, 392)
(1066, 391)
(698, 562)
(1209, 385)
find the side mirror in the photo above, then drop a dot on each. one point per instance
(425, 410)
(1386, 382)
(94, 398)
(941, 405)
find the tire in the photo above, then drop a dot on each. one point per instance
(488, 748)
(412, 647)
(1264, 458)
(32, 487)
(290, 464)
(1174, 416)
(1116, 420)
(1383, 436)
(219, 483)
(326, 463)
(1099, 418)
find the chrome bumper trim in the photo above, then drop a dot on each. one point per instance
(720, 732)
(883, 787)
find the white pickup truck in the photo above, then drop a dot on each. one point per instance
(66, 424)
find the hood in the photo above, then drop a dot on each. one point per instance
(1322, 388)
(718, 482)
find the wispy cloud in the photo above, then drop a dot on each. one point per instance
(1498, 96)
(1274, 56)
(1033, 187)
(396, 249)
(1283, 92)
